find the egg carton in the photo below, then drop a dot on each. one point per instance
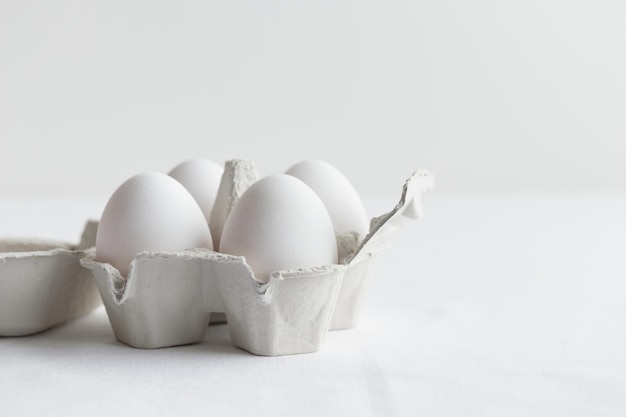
(169, 298)
(42, 283)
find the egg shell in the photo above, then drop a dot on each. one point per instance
(149, 212)
(201, 178)
(339, 196)
(279, 223)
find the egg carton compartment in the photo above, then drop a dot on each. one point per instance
(168, 298)
(42, 284)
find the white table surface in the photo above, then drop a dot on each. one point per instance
(487, 306)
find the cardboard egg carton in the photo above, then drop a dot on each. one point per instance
(168, 298)
(42, 284)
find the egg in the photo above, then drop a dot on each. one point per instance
(339, 196)
(201, 178)
(279, 223)
(149, 212)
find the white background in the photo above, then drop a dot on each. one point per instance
(506, 299)
(489, 95)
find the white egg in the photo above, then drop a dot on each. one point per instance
(149, 212)
(201, 178)
(280, 223)
(339, 196)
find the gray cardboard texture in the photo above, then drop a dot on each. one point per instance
(168, 298)
(287, 315)
(382, 229)
(161, 303)
(352, 294)
(42, 284)
(238, 176)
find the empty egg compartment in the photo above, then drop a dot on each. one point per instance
(42, 284)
